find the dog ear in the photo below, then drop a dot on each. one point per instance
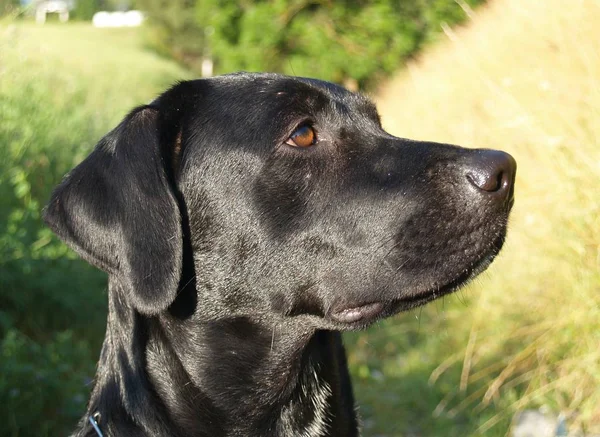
(118, 210)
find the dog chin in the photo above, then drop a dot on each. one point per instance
(362, 315)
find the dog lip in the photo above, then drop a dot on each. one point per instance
(358, 313)
(511, 203)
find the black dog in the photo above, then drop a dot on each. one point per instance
(244, 221)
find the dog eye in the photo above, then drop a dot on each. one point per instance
(304, 136)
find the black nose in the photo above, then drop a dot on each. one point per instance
(493, 172)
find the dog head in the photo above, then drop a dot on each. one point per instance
(260, 194)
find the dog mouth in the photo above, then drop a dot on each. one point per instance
(359, 313)
(357, 316)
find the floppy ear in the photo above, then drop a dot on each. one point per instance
(117, 209)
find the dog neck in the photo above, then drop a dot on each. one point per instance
(166, 376)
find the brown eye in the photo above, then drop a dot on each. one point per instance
(304, 136)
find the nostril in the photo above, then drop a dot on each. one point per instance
(489, 183)
(492, 171)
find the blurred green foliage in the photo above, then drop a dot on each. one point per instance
(355, 41)
(8, 6)
(85, 9)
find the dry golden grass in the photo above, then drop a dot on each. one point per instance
(524, 76)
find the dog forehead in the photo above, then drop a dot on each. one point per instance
(265, 91)
(271, 95)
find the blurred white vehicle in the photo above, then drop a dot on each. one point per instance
(118, 19)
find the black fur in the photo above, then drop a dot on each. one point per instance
(235, 259)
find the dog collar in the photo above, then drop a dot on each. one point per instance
(94, 419)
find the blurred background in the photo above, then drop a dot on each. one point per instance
(520, 347)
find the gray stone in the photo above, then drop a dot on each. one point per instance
(534, 423)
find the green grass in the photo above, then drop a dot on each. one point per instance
(61, 89)
(522, 78)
